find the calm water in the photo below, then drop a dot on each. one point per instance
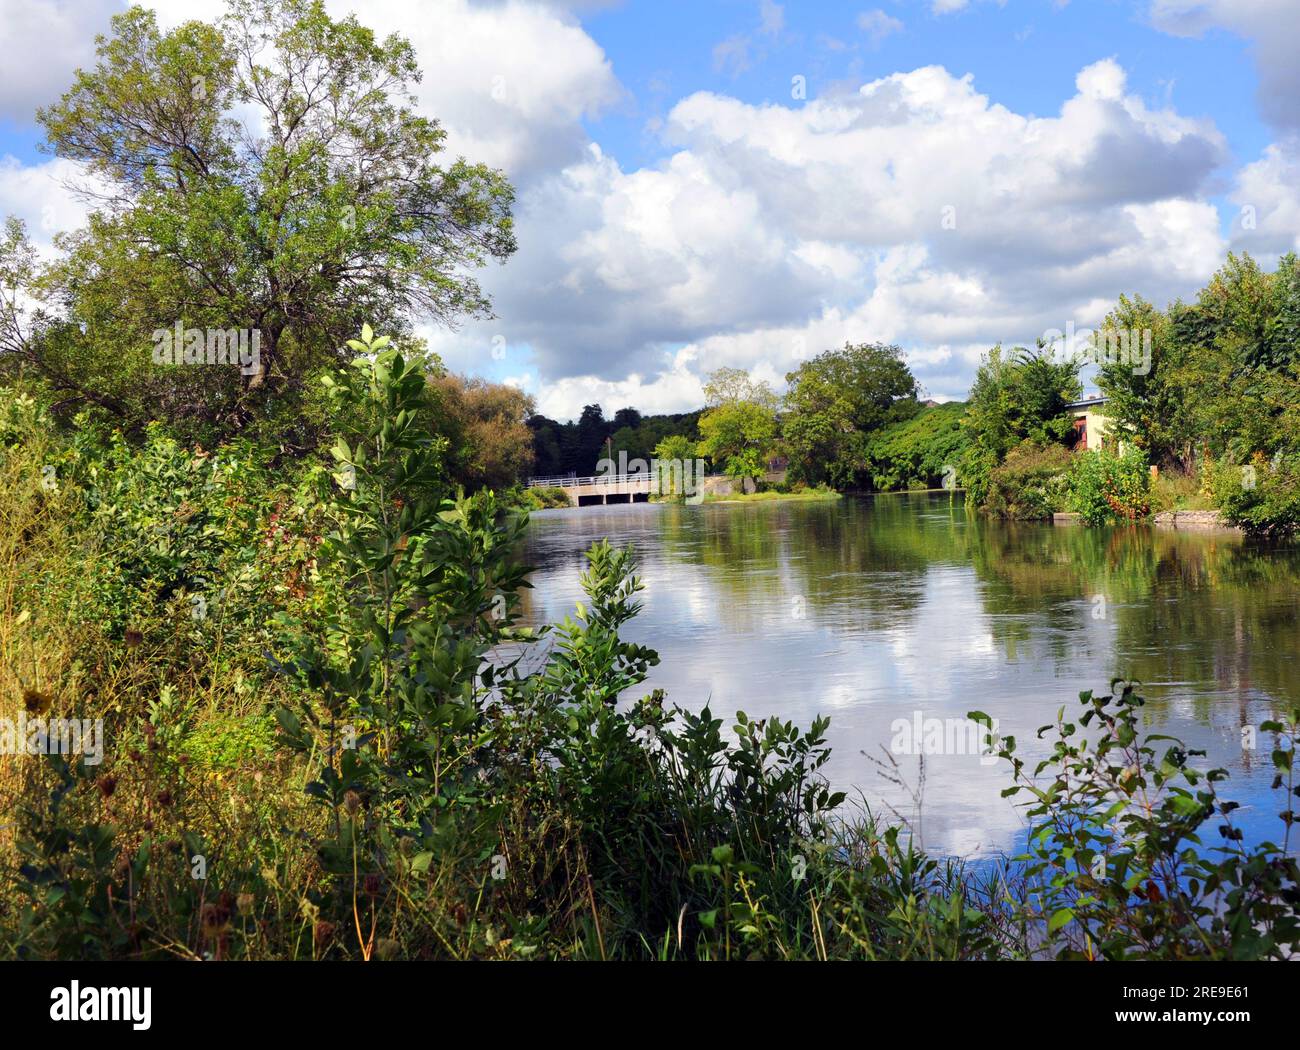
(872, 609)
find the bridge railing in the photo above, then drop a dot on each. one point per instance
(603, 479)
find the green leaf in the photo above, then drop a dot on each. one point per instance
(1059, 918)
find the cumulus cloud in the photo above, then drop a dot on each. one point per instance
(878, 25)
(43, 42)
(1273, 29)
(916, 210)
(47, 197)
(511, 82)
(1267, 194)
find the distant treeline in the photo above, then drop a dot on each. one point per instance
(575, 448)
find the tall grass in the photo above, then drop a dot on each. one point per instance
(336, 760)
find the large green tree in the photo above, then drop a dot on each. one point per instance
(1016, 397)
(738, 428)
(1145, 397)
(835, 402)
(267, 173)
(1238, 359)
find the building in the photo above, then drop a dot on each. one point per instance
(1092, 428)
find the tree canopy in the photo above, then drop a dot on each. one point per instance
(836, 401)
(267, 174)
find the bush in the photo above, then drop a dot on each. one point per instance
(1261, 496)
(917, 453)
(546, 498)
(1176, 490)
(1031, 483)
(463, 802)
(1106, 488)
(1116, 859)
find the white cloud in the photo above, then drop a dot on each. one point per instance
(43, 42)
(1267, 194)
(510, 82)
(44, 196)
(772, 233)
(878, 25)
(1272, 27)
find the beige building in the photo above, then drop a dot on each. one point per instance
(1092, 428)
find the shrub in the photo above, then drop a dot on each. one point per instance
(1116, 864)
(471, 795)
(546, 498)
(918, 453)
(1106, 488)
(1261, 496)
(1031, 483)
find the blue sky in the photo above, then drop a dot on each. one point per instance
(680, 209)
(1024, 54)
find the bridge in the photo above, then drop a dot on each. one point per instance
(638, 487)
(605, 488)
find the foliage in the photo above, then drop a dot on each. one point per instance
(738, 430)
(1145, 404)
(1031, 483)
(921, 452)
(733, 386)
(561, 449)
(1106, 488)
(1261, 496)
(1021, 397)
(323, 203)
(544, 497)
(675, 456)
(1224, 387)
(489, 444)
(474, 790)
(428, 588)
(836, 402)
(1116, 863)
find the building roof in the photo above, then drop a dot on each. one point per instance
(1089, 402)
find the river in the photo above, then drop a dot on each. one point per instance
(902, 607)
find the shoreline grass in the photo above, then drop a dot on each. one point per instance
(803, 496)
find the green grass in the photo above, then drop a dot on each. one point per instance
(802, 496)
(1174, 491)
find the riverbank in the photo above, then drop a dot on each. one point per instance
(803, 496)
(1211, 520)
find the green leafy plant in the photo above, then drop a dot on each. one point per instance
(1106, 488)
(1117, 865)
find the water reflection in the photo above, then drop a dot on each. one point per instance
(872, 609)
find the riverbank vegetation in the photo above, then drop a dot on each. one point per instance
(783, 493)
(1213, 410)
(1207, 420)
(321, 742)
(284, 597)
